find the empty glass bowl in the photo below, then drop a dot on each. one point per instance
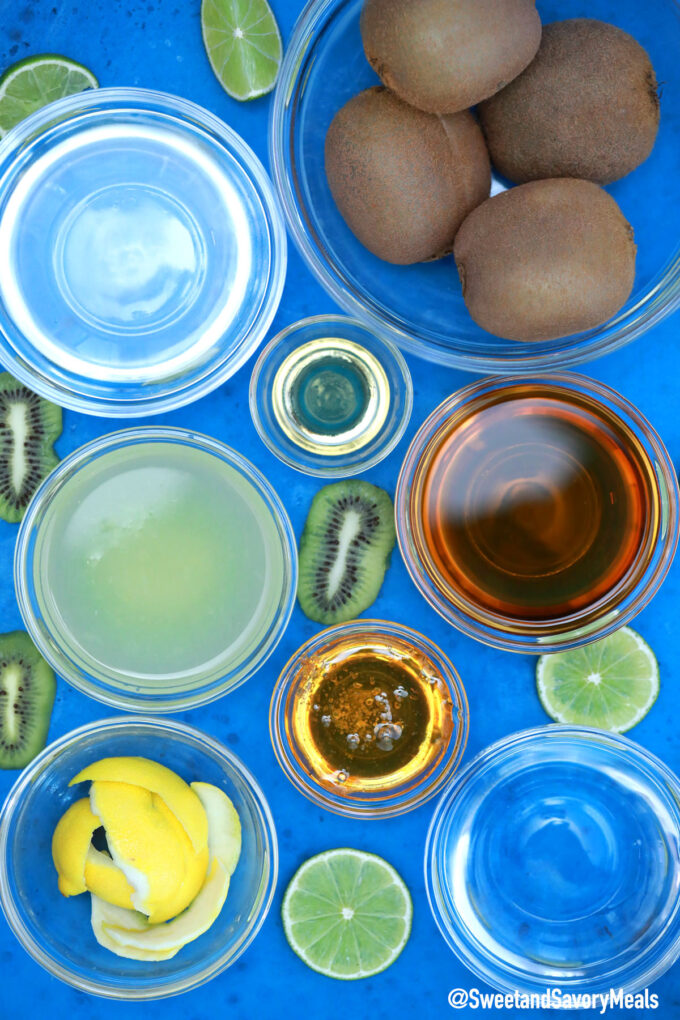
(421, 307)
(143, 252)
(56, 930)
(553, 861)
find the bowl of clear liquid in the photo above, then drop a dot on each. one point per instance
(328, 397)
(553, 861)
(143, 252)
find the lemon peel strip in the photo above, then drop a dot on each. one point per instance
(156, 778)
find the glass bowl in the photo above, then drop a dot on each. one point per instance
(616, 603)
(421, 307)
(173, 476)
(143, 248)
(381, 426)
(553, 861)
(377, 797)
(56, 931)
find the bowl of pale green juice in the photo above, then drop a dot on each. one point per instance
(156, 569)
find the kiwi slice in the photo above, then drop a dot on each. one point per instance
(29, 427)
(27, 687)
(345, 550)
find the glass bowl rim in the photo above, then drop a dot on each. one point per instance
(353, 463)
(659, 301)
(119, 98)
(542, 642)
(168, 727)
(381, 806)
(52, 651)
(498, 750)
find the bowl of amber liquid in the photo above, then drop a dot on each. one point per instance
(537, 514)
(369, 719)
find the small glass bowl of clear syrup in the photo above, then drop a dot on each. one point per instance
(328, 397)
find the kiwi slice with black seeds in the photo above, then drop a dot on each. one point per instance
(27, 688)
(345, 550)
(29, 426)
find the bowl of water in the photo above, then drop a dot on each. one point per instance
(143, 249)
(420, 307)
(553, 861)
(56, 930)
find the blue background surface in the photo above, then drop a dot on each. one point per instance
(157, 44)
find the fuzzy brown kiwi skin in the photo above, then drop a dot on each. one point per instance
(545, 260)
(444, 56)
(587, 106)
(402, 179)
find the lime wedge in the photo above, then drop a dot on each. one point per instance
(347, 914)
(610, 684)
(243, 44)
(37, 81)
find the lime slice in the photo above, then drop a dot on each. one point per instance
(243, 44)
(37, 81)
(347, 914)
(610, 684)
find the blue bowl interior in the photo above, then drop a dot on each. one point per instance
(424, 302)
(61, 926)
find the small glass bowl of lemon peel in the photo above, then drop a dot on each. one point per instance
(138, 858)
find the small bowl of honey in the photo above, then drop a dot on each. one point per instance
(329, 397)
(537, 514)
(369, 719)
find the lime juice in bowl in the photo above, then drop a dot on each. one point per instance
(156, 568)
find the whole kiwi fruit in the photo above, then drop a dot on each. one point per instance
(545, 260)
(446, 55)
(402, 179)
(587, 106)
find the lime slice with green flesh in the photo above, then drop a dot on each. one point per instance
(37, 81)
(243, 44)
(347, 914)
(610, 684)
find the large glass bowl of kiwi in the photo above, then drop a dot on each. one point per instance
(525, 218)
